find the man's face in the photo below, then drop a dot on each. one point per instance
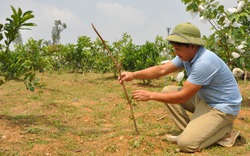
(185, 53)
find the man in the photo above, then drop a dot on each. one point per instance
(210, 92)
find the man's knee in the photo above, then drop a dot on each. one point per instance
(168, 89)
(186, 144)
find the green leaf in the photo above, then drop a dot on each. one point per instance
(25, 29)
(221, 8)
(27, 17)
(214, 14)
(195, 6)
(29, 24)
(19, 12)
(232, 17)
(1, 27)
(32, 76)
(189, 7)
(32, 88)
(242, 31)
(185, 1)
(13, 10)
(15, 19)
(27, 12)
(216, 4)
(1, 37)
(8, 19)
(242, 60)
(244, 14)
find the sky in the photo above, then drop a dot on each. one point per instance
(143, 20)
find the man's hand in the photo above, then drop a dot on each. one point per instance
(126, 76)
(141, 95)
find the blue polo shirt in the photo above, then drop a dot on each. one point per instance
(219, 87)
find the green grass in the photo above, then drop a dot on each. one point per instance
(88, 114)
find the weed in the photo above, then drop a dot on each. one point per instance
(33, 130)
(112, 148)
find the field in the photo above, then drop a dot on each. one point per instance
(87, 114)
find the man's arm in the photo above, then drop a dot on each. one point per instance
(188, 90)
(149, 73)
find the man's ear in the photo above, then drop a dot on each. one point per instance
(194, 46)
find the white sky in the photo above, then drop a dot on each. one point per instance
(142, 19)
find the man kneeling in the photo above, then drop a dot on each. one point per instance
(210, 92)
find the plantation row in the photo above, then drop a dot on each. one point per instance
(230, 41)
(82, 57)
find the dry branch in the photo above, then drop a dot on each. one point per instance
(119, 72)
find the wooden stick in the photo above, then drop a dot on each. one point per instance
(119, 72)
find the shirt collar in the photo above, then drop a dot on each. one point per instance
(198, 54)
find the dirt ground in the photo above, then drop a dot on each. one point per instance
(85, 115)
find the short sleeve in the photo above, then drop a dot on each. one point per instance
(177, 62)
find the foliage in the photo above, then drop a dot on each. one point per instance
(134, 57)
(232, 28)
(54, 54)
(83, 50)
(80, 58)
(10, 61)
(163, 48)
(17, 22)
(83, 57)
(103, 63)
(147, 56)
(128, 52)
(33, 56)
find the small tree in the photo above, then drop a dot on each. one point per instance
(102, 59)
(56, 31)
(8, 59)
(81, 57)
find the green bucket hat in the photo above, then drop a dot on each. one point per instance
(186, 33)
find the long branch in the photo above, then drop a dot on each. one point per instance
(119, 72)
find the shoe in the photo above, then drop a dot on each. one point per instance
(229, 142)
(170, 138)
